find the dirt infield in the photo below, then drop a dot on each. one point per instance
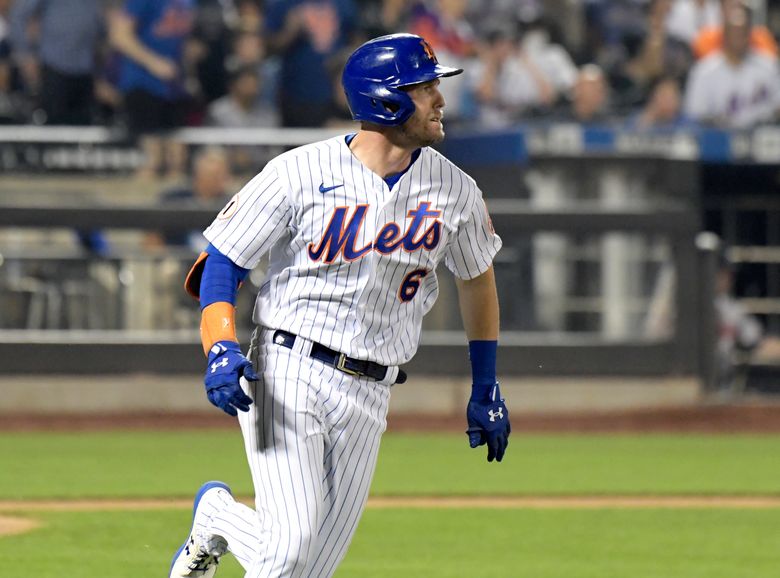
(703, 418)
(421, 502)
(10, 525)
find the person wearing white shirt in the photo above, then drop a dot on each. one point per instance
(736, 87)
(688, 17)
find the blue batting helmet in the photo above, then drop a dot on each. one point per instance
(377, 70)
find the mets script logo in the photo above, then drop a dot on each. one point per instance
(429, 52)
(340, 235)
(496, 414)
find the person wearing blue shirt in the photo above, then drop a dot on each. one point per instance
(59, 66)
(150, 35)
(307, 34)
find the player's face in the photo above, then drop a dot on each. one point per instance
(425, 127)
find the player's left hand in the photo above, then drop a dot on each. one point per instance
(488, 421)
(226, 366)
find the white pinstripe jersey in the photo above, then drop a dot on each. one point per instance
(352, 262)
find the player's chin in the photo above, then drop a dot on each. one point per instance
(435, 133)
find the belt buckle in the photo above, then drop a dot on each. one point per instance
(340, 365)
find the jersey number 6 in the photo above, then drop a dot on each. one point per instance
(411, 284)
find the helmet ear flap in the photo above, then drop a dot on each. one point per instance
(388, 106)
(391, 106)
(381, 105)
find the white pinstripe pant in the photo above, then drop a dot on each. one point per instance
(312, 440)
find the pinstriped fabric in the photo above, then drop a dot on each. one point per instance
(240, 523)
(312, 450)
(352, 266)
(253, 219)
(352, 305)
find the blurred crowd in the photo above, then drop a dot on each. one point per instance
(154, 65)
(150, 66)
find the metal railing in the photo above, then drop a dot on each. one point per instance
(686, 350)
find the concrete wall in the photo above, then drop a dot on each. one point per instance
(421, 394)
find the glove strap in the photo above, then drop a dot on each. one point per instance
(222, 347)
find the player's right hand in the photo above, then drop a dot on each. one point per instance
(226, 366)
(488, 420)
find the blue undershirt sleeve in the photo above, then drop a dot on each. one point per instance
(221, 278)
(482, 355)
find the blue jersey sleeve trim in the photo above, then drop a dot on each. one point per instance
(393, 179)
(221, 278)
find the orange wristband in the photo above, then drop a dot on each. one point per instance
(217, 323)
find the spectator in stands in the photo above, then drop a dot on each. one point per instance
(306, 34)
(108, 96)
(688, 18)
(249, 15)
(209, 187)
(242, 106)
(380, 17)
(711, 39)
(151, 34)
(507, 82)
(613, 34)
(663, 110)
(538, 43)
(590, 97)
(7, 108)
(739, 333)
(57, 64)
(736, 87)
(209, 48)
(484, 15)
(659, 55)
(340, 116)
(444, 26)
(248, 49)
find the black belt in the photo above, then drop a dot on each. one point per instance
(338, 360)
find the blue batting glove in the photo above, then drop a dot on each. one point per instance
(488, 420)
(225, 367)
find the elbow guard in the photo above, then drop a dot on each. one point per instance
(214, 277)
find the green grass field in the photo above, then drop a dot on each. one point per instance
(431, 543)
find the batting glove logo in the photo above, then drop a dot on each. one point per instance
(488, 421)
(226, 366)
(217, 364)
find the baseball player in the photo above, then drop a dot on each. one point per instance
(354, 227)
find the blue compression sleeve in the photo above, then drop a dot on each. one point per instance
(221, 278)
(483, 367)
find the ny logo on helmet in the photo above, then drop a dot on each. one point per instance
(429, 51)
